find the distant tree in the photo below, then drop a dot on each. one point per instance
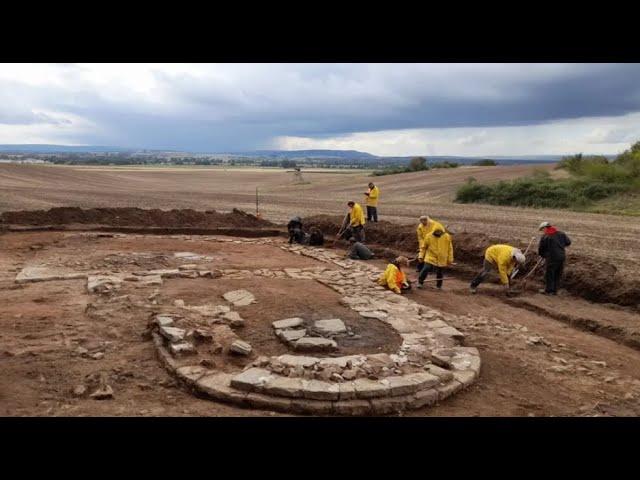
(418, 163)
(288, 164)
(485, 163)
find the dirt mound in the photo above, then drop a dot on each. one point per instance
(137, 217)
(584, 277)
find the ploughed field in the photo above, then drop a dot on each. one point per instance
(404, 197)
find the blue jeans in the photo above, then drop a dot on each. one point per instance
(427, 267)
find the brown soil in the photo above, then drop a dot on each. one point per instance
(277, 299)
(133, 217)
(43, 325)
(598, 281)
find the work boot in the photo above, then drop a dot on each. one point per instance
(474, 290)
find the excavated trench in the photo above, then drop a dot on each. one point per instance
(584, 277)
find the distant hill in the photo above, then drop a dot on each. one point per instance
(336, 156)
(41, 148)
(347, 154)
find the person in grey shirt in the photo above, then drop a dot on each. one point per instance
(359, 251)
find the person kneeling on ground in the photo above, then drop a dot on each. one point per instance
(551, 248)
(294, 227)
(394, 278)
(436, 253)
(502, 258)
(359, 251)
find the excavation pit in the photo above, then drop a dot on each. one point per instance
(386, 354)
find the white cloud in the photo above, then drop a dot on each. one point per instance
(561, 137)
(398, 108)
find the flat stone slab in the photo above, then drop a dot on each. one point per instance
(332, 326)
(182, 348)
(241, 347)
(150, 280)
(187, 255)
(251, 379)
(100, 283)
(43, 274)
(173, 334)
(239, 298)
(315, 344)
(374, 314)
(209, 310)
(163, 321)
(298, 361)
(289, 336)
(288, 323)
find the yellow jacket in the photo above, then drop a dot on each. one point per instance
(502, 257)
(423, 231)
(392, 278)
(372, 198)
(437, 251)
(356, 215)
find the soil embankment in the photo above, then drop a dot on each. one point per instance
(596, 281)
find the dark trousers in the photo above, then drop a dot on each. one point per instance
(552, 275)
(427, 267)
(487, 266)
(372, 214)
(355, 232)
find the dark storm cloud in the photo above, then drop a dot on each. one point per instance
(235, 107)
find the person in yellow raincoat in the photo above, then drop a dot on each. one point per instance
(426, 227)
(435, 254)
(373, 194)
(353, 226)
(394, 278)
(502, 258)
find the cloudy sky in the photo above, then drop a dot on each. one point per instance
(383, 109)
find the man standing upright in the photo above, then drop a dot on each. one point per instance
(551, 248)
(373, 194)
(426, 227)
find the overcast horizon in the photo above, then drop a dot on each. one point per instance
(382, 109)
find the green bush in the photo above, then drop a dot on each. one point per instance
(593, 178)
(485, 163)
(445, 164)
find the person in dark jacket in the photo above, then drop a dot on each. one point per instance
(295, 230)
(551, 248)
(359, 251)
(316, 239)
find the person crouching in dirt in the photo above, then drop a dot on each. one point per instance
(394, 278)
(359, 251)
(435, 255)
(315, 238)
(426, 227)
(353, 224)
(551, 248)
(294, 228)
(502, 258)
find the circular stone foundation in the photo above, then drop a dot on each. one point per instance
(427, 361)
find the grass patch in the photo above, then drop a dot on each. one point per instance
(594, 184)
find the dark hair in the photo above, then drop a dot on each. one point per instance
(351, 203)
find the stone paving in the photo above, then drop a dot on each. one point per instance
(430, 365)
